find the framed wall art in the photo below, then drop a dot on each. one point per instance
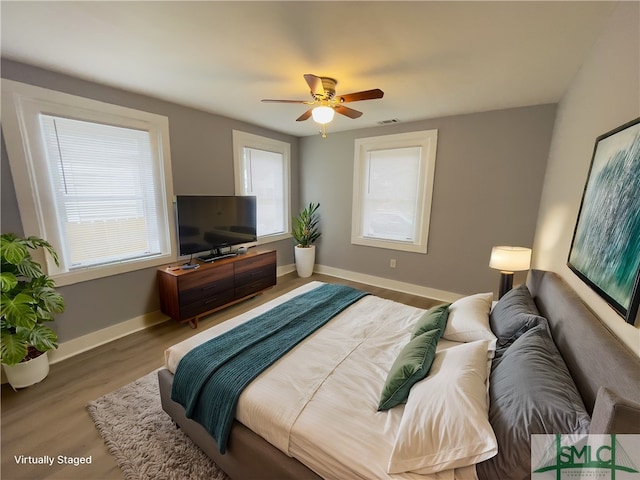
(605, 251)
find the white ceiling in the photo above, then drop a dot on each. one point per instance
(430, 58)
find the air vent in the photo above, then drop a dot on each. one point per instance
(386, 122)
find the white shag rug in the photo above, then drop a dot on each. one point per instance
(145, 442)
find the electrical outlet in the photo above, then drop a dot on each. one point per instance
(392, 263)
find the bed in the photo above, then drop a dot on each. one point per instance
(539, 339)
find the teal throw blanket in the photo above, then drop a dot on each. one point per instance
(210, 378)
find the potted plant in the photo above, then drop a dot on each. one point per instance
(305, 233)
(28, 301)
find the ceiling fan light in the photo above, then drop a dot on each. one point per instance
(322, 114)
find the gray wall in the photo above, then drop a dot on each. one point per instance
(595, 103)
(202, 161)
(489, 174)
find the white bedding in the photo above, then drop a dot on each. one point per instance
(318, 404)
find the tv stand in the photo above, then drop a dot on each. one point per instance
(188, 295)
(212, 257)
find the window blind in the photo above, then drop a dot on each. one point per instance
(390, 200)
(105, 194)
(264, 178)
(392, 190)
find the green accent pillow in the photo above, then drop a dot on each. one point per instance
(411, 365)
(433, 319)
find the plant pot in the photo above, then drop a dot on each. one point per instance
(27, 373)
(305, 259)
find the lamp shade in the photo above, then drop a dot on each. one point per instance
(322, 114)
(510, 259)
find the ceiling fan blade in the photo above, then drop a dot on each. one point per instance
(304, 116)
(349, 112)
(268, 100)
(364, 95)
(315, 84)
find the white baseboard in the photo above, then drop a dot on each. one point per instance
(105, 335)
(94, 339)
(395, 285)
(285, 269)
(404, 287)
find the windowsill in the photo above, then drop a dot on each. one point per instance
(69, 278)
(389, 244)
(273, 238)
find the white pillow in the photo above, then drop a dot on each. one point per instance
(469, 319)
(445, 423)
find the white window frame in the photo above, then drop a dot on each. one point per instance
(242, 140)
(427, 140)
(21, 106)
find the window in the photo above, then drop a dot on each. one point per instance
(100, 181)
(262, 168)
(393, 183)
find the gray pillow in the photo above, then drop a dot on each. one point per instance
(506, 319)
(531, 391)
(523, 322)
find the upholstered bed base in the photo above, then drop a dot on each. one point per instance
(248, 455)
(595, 359)
(594, 356)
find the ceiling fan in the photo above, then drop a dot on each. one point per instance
(323, 93)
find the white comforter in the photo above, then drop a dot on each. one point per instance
(319, 402)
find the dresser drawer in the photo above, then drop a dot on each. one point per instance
(205, 278)
(266, 272)
(206, 290)
(248, 264)
(255, 280)
(206, 303)
(254, 286)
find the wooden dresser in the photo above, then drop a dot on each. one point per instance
(187, 295)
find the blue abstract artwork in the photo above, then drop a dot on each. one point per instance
(605, 252)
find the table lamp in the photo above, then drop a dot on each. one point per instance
(509, 260)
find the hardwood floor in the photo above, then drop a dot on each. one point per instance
(50, 418)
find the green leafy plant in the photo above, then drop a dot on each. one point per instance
(28, 300)
(305, 226)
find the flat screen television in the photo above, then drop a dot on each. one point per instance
(213, 224)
